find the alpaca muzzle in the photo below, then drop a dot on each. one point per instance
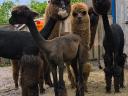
(62, 13)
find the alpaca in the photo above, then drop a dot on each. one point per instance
(49, 11)
(76, 8)
(113, 44)
(54, 15)
(80, 19)
(31, 67)
(56, 51)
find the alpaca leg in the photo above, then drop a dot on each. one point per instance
(108, 78)
(41, 81)
(61, 84)
(16, 68)
(80, 84)
(117, 73)
(46, 73)
(47, 76)
(55, 80)
(24, 91)
(33, 89)
(86, 75)
(122, 79)
(23, 86)
(71, 77)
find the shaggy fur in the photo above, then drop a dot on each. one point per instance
(57, 51)
(50, 10)
(80, 23)
(31, 67)
(113, 44)
(53, 12)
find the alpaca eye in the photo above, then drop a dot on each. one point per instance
(74, 14)
(84, 13)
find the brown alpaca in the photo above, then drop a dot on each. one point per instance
(57, 51)
(31, 67)
(52, 10)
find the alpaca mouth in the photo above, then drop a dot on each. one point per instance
(63, 13)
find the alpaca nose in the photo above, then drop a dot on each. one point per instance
(79, 16)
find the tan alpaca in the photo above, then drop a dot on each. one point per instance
(80, 23)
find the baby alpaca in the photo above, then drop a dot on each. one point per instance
(31, 67)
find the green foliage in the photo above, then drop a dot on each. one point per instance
(5, 9)
(38, 6)
(74, 1)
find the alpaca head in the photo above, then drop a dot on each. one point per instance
(80, 13)
(21, 14)
(59, 9)
(101, 6)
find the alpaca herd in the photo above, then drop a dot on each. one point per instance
(36, 56)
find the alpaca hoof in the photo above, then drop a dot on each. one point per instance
(122, 86)
(42, 91)
(117, 91)
(108, 91)
(80, 92)
(62, 92)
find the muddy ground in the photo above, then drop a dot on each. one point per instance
(96, 84)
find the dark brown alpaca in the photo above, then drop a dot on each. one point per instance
(57, 51)
(54, 12)
(31, 70)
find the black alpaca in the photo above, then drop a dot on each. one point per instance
(13, 44)
(113, 43)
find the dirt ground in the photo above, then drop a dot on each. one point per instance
(96, 84)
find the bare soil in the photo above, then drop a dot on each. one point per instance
(96, 84)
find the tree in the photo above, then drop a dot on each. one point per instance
(38, 6)
(5, 9)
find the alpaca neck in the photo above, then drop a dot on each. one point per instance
(107, 28)
(35, 34)
(46, 31)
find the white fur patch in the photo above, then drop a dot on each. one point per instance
(62, 13)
